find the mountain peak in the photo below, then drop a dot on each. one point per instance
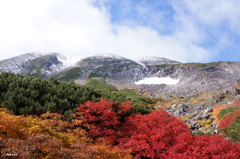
(155, 60)
(106, 55)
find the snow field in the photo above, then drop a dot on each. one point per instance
(158, 80)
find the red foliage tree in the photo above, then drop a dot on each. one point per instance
(105, 116)
(153, 134)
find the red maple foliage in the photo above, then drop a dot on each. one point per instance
(107, 118)
(153, 134)
(203, 146)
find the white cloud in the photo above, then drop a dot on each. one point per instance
(77, 28)
(214, 23)
(219, 17)
(215, 12)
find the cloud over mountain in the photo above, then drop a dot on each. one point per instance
(180, 30)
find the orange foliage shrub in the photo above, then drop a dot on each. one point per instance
(32, 137)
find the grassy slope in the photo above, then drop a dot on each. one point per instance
(100, 84)
(69, 75)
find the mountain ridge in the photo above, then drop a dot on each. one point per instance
(155, 60)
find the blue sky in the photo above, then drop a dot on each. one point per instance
(182, 30)
(155, 14)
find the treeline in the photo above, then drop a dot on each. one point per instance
(29, 95)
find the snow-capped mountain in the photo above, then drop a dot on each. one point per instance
(126, 73)
(30, 63)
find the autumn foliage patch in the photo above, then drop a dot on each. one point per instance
(217, 109)
(49, 137)
(104, 118)
(228, 118)
(154, 135)
(151, 135)
(106, 129)
(230, 124)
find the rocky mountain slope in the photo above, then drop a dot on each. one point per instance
(195, 78)
(197, 110)
(32, 64)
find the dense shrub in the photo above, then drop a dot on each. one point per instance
(29, 95)
(151, 135)
(107, 118)
(203, 146)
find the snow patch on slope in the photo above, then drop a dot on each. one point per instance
(158, 80)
